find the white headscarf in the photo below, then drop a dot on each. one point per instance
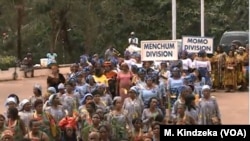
(51, 97)
(10, 99)
(37, 86)
(22, 103)
(61, 86)
(52, 90)
(205, 87)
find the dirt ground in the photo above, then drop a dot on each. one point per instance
(234, 107)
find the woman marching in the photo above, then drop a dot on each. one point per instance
(186, 62)
(203, 64)
(209, 113)
(173, 84)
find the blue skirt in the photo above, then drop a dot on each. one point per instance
(174, 96)
(205, 73)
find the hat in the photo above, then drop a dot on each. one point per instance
(10, 99)
(132, 33)
(61, 86)
(22, 103)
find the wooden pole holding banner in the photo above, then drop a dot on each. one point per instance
(173, 19)
(202, 19)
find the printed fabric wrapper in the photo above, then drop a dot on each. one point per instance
(53, 126)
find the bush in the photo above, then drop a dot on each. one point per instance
(7, 61)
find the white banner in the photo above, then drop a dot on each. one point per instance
(195, 44)
(159, 50)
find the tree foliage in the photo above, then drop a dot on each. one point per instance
(73, 27)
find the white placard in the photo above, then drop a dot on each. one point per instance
(195, 44)
(159, 50)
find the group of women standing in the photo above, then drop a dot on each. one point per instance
(115, 100)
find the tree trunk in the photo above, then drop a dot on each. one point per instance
(19, 37)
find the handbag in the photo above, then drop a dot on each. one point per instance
(215, 120)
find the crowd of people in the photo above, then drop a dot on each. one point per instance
(125, 99)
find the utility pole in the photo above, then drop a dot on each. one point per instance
(173, 19)
(202, 19)
(19, 8)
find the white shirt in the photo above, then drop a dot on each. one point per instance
(202, 64)
(133, 40)
(186, 63)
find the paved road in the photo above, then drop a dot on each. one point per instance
(234, 106)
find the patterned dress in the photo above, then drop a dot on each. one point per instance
(146, 115)
(217, 64)
(173, 88)
(134, 108)
(208, 108)
(118, 123)
(240, 75)
(230, 77)
(146, 94)
(57, 113)
(48, 125)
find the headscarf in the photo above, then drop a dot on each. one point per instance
(14, 96)
(83, 59)
(141, 71)
(205, 87)
(83, 101)
(61, 86)
(135, 89)
(10, 99)
(202, 53)
(38, 87)
(86, 69)
(22, 103)
(90, 77)
(51, 98)
(52, 90)
(71, 80)
(149, 77)
(68, 122)
(134, 67)
(116, 98)
(176, 69)
(79, 73)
